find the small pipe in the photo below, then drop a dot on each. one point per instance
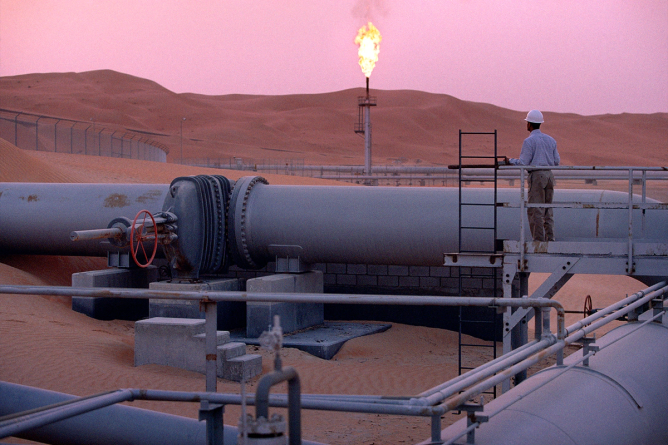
(86, 235)
(290, 375)
(488, 368)
(613, 307)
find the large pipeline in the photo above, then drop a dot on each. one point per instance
(620, 398)
(255, 222)
(112, 425)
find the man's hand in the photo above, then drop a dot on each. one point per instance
(504, 161)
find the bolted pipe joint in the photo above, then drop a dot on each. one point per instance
(264, 431)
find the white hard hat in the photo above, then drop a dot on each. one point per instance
(535, 117)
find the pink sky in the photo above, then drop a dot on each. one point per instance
(587, 57)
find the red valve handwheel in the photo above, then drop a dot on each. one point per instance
(588, 310)
(140, 234)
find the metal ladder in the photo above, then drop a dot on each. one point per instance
(487, 228)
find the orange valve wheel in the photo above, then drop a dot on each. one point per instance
(139, 234)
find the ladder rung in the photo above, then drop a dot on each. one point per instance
(478, 346)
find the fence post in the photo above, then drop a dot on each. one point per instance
(37, 133)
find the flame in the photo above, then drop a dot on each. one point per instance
(368, 39)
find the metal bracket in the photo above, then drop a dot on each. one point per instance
(212, 413)
(473, 259)
(547, 289)
(288, 258)
(471, 417)
(587, 347)
(291, 265)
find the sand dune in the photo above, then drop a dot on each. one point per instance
(408, 126)
(44, 344)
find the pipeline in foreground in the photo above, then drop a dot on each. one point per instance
(204, 224)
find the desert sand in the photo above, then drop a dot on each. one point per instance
(46, 345)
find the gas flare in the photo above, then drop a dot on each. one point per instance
(368, 38)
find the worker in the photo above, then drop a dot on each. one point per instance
(539, 150)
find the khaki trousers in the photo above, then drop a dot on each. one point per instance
(541, 190)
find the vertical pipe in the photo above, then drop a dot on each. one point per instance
(211, 326)
(436, 429)
(367, 139)
(519, 333)
(629, 268)
(522, 211)
(290, 375)
(644, 201)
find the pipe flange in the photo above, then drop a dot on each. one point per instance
(124, 224)
(237, 222)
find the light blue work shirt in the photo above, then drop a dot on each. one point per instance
(538, 149)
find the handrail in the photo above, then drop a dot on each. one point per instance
(432, 403)
(631, 177)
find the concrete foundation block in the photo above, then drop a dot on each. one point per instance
(244, 367)
(231, 350)
(221, 338)
(259, 316)
(231, 315)
(113, 308)
(168, 341)
(181, 343)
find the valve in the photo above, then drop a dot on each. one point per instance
(262, 431)
(123, 233)
(139, 233)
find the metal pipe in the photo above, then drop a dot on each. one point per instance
(206, 296)
(290, 375)
(513, 356)
(555, 348)
(609, 401)
(500, 369)
(38, 218)
(13, 425)
(111, 425)
(581, 332)
(613, 307)
(366, 225)
(81, 235)
(367, 137)
(386, 225)
(211, 343)
(280, 401)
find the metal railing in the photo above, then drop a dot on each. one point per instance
(52, 134)
(433, 403)
(403, 173)
(630, 174)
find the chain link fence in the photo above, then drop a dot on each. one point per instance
(45, 133)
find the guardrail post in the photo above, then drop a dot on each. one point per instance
(212, 413)
(436, 429)
(211, 344)
(629, 266)
(521, 265)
